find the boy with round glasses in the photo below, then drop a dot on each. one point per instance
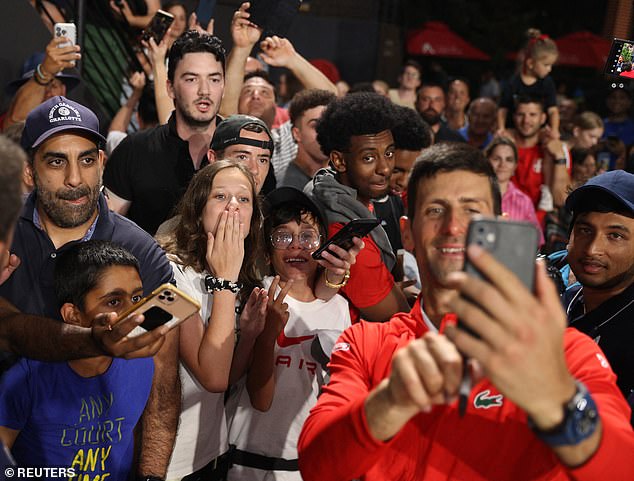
(290, 355)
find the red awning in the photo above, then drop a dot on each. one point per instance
(437, 40)
(583, 49)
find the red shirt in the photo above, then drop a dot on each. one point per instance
(528, 175)
(370, 280)
(492, 442)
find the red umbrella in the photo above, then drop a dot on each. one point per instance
(583, 49)
(436, 40)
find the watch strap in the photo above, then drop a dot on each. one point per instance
(580, 420)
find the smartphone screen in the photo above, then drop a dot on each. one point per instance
(619, 62)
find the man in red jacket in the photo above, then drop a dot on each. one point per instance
(547, 407)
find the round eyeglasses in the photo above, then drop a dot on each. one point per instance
(307, 239)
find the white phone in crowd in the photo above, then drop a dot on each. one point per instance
(68, 30)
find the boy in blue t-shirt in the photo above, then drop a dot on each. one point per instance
(80, 414)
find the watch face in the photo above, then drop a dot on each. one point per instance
(587, 417)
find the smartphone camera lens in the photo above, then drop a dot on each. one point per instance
(161, 297)
(170, 299)
(167, 293)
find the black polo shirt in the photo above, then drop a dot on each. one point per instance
(30, 287)
(611, 325)
(152, 169)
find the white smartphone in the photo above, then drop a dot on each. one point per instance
(165, 306)
(68, 30)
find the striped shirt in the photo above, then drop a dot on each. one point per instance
(285, 150)
(518, 206)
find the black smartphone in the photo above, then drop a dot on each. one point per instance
(205, 11)
(158, 27)
(355, 228)
(512, 243)
(274, 17)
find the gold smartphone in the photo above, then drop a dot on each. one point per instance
(165, 306)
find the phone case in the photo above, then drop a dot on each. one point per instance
(512, 243)
(67, 30)
(355, 228)
(158, 27)
(166, 305)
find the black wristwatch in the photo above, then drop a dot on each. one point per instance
(580, 420)
(219, 284)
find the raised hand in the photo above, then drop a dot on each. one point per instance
(253, 316)
(137, 81)
(521, 335)
(225, 249)
(277, 310)
(338, 265)
(193, 24)
(244, 33)
(58, 58)
(277, 51)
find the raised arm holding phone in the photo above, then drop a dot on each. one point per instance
(391, 403)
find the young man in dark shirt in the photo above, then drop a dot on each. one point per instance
(601, 256)
(149, 171)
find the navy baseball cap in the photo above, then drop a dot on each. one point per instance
(618, 184)
(55, 115)
(228, 133)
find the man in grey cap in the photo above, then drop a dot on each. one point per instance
(247, 139)
(65, 163)
(601, 256)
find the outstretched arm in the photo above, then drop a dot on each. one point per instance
(279, 52)
(244, 35)
(32, 93)
(50, 340)
(121, 120)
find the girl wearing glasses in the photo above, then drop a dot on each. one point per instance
(289, 357)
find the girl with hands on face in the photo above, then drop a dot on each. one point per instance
(220, 221)
(287, 368)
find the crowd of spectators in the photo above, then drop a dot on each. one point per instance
(214, 178)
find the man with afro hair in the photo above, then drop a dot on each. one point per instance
(355, 133)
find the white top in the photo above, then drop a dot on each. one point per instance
(298, 379)
(202, 427)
